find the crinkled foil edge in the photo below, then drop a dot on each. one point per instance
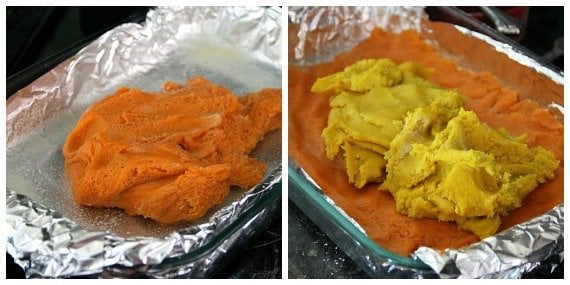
(509, 254)
(48, 245)
(346, 27)
(519, 249)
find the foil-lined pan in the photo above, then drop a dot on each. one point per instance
(49, 235)
(318, 34)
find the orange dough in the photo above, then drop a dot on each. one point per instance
(494, 104)
(169, 156)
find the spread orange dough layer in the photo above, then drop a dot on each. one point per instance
(494, 104)
(169, 156)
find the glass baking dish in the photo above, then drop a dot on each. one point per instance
(305, 192)
(49, 235)
(345, 233)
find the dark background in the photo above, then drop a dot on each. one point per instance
(38, 38)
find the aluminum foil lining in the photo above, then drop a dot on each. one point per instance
(509, 254)
(326, 31)
(49, 235)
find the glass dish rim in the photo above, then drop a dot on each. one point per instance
(303, 185)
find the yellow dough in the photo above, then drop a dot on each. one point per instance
(397, 128)
(461, 170)
(373, 99)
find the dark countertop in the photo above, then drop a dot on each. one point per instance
(312, 254)
(40, 37)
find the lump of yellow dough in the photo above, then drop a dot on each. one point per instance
(372, 98)
(446, 164)
(438, 160)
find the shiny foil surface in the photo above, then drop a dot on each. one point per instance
(320, 33)
(49, 235)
